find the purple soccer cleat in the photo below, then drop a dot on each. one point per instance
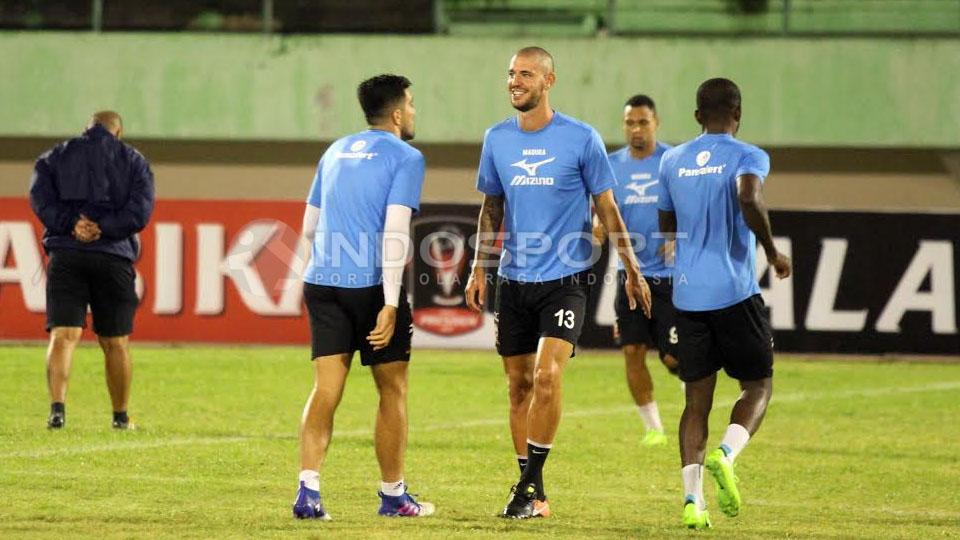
(308, 505)
(404, 506)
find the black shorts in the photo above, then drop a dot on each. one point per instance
(77, 279)
(341, 318)
(736, 338)
(525, 312)
(660, 329)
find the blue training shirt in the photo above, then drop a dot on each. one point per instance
(357, 177)
(715, 264)
(637, 195)
(546, 178)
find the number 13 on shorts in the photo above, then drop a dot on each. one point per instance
(565, 317)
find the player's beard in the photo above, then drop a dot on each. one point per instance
(533, 99)
(407, 133)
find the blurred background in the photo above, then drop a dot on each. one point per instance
(233, 102)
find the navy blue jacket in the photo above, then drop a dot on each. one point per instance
(100, 177)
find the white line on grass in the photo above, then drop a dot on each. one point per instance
(482, 422)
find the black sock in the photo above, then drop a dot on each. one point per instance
(58, 407)
(120, 417)
(522, 462)
(533, 472)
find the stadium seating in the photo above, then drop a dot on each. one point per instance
(570, 17)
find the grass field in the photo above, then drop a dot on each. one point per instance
(849, 449)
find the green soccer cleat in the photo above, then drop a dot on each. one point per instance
(728, 496)
(653, 438)
(694, 518)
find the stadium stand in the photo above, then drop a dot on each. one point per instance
(498, 17)
(626, 17)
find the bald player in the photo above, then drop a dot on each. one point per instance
(93, 194)
(540, 168)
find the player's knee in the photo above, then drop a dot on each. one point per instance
(698, 405)
(546, 378)
(635, 352)
(113, 344)
(671, 363)
(520, 388)
(65, 336)
(392, 386)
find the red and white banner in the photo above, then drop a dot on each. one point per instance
(213, 271)
(228, 271)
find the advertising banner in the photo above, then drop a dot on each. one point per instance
(229, 272)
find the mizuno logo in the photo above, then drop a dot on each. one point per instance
(640, 189)
(639, 195)
(531, 168)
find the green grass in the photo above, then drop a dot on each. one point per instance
(849, 449)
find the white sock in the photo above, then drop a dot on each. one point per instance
(310, 479)
(392, 489)
(651, 416)
(734, 441)
(693, 484)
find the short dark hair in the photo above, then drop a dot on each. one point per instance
(379, 93)
(718, 97)
(641, 100)
(545, 57)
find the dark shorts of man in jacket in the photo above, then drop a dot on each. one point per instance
(93, 194)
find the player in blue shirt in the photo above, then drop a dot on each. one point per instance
(358, 221)
(537, 172)
(711, 197)
(637, 167)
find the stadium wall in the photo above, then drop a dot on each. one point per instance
(797, 91)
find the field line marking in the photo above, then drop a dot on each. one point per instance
(482, 422)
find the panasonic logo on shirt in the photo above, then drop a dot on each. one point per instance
(356, 155)
(716, 169)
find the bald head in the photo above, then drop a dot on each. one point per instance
(110, 121)
(543, 58)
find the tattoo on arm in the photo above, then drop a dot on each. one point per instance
(488, 225)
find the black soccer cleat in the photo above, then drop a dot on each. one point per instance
(56, 420)
(522, 503)
(122, 422)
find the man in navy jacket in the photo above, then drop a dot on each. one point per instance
(93, 194)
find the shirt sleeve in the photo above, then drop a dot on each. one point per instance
(595, 166)
(408, 182)
(755, 162)
(488, 179)
(664, 201)
(133, 216)
(57, 217)
(314, 198)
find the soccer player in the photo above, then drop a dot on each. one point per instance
(93, 194)
(357, 217)
(540, 168)
(711, 189)
(637, 166)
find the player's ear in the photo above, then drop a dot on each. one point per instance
(551, 79)
(397, 116)
(698, 117)
(736, 113)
